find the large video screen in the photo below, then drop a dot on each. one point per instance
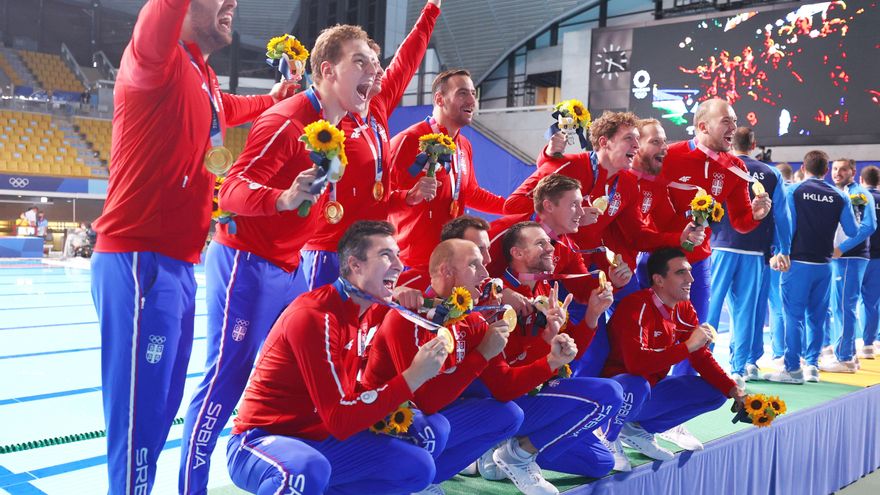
(807, 74)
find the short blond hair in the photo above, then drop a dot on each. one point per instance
(328, 46)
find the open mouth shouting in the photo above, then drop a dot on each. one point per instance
(224, 21)
(363, 90)
(389, 282)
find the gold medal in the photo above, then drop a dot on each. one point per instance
(758, 188)
(601, 204)
(333, 212)
(218, 160)
(378, 191)
(509, 316)
(603, 279)
(446, 335)
(453, 209)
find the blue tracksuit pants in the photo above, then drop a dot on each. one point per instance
(245, 294)
(847, 275)
(316, 269)
(806, 290)
(675, 400)
(146, 305)
(871, 301)
(739, 278)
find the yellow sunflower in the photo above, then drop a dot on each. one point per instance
(461, 299)
(762, 420)
(564, 371)
(401, 419)
(755, 405)
(276, 45)
(380, 426)
(295, 50)
(322, 136)
(579, 112)
(777, 404)
(717, 212)
(701, 202)
(447, 141)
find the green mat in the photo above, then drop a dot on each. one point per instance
(708, 427)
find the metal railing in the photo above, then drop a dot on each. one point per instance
(71, 62)
(104, 66)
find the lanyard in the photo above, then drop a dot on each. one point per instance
(375, 150)
(216, 131)
(346, 289)
(660, 306)
(456, 186)
(714, 155)
(594, 163)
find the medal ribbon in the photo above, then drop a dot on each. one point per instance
(346, 289)
(456, 186)
(714, 155)
(376, 150)
(216, 131)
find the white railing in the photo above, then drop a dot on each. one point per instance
(104, 66)
(74, 66)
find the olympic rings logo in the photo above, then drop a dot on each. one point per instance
(19, 182)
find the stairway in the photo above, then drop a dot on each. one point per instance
(84, 150)
(16, 65)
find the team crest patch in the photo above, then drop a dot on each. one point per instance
(717, 183)
(647, 199)
(240, 329)
(615, 205)
(155, 348)
(369, 396)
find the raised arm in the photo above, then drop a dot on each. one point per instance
(151, 54)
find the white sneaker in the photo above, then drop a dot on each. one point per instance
(856, 360)
(739, 380)
(621, 461)
(752, 373)
(838, 367)
(682, 437)
(431, 490)
(795, 377)
(811, 373)
(828, 350)
(523, 472)
(486, 465)
(470, 470)
(779, 363)
(639, 439)
(867, 352)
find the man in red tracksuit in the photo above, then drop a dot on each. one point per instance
(650, 331)
(364, 189)
(168, 113)
(705, 161)
(421, 205)
(467, 227)
(478, 420)
(250, 270)
(303, 423)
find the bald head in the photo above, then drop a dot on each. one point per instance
(715, 124)
(456, 263)
(446, 251)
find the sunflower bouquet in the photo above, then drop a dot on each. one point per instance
(759, 410)
(435, 148)
(452, 309)
(284, 49)
(396, 423)
(222, 217)
(572, 118)
(858, 199)
(704, 209)
(326, 145)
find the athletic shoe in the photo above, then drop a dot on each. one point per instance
(828, 350)
(522, 471)
(470, 470)
(752, 373)
(621, 461)
(795, 377)
(739, 380)
(811, 373)
(838, 366)
(487, 468)
(431, 490)
(867, 352)
(637, 438)
(779, 363)
(682, 437)
(856, 360)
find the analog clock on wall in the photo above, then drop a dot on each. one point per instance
(611, 61)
